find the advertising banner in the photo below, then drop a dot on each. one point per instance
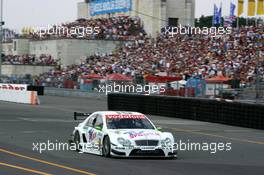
(13, 87)
(18, 93)
(100, 7)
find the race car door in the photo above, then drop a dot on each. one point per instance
(98, 126)
(94, 134)
(90, 135)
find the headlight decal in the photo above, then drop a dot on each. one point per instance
(124, 142)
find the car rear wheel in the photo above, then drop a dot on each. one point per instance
(76, 140)
(106, 147)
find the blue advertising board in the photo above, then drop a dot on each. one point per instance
(198, 84)
(100, 7)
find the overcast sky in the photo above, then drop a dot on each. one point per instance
(21, 13)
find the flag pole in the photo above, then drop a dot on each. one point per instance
(1, 36)
(213, 18)
(237, 19)
(247, 21)
(220, 20)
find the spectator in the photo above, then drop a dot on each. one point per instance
(42, 60)
(114, 28)
(232, 55)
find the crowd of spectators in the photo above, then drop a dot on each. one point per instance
(234, 56)
(113, 28)
(43, 60)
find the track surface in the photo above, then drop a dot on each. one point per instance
(23, 125)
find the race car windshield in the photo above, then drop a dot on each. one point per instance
(122, 123)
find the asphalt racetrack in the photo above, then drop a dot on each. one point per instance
(23, 125)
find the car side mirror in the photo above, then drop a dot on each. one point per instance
(99, 128)
(159, 128)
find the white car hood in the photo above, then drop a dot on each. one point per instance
(136, 134)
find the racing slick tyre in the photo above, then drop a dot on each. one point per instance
(76, 140)
(106, 147)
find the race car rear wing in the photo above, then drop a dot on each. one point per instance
(78, 114)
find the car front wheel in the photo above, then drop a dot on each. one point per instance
(106, 147)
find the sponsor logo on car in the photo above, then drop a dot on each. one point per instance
(134, 134)
(91, 134)
(124, 116)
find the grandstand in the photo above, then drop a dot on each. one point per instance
(125, 45)
(155, 14)
(134, 22)
(70, 48)
(183, 56)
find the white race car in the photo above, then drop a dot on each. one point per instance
(121, 134)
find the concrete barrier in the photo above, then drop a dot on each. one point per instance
(225, 112)
(22, 70)
(18, 93)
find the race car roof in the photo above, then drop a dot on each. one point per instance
(118, 113)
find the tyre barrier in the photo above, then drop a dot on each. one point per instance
(39, 89)
(224, 112)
